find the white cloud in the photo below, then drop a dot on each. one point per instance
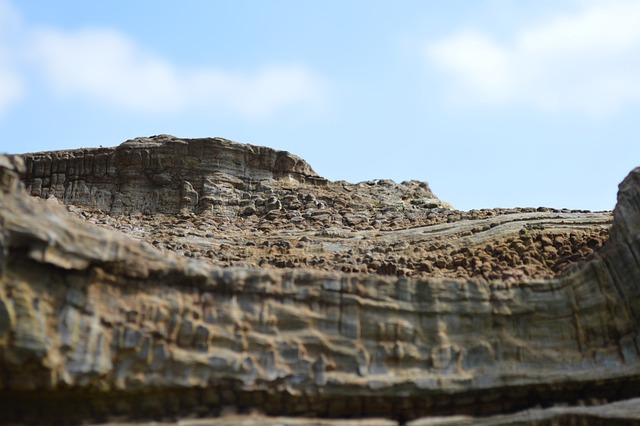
(588, 62)
(11, 84)
(107, 66)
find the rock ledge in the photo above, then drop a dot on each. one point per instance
(97, 326)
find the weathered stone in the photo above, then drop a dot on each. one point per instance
(89, 315)
(190, 182)
(158, 174)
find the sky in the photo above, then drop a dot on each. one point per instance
(495, 103)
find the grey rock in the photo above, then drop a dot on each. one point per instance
(101, 324)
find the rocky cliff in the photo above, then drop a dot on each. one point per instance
(160, 174)
(238, 205)
(97, 325)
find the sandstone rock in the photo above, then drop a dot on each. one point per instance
(165, 174)
(95, 325)
(158, 174)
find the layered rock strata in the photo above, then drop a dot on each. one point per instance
(165, 174)
(252, 206)
(509, 246)
(96, 326)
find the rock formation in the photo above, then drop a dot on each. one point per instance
(97, 325)
(259, 207)
(161, 174)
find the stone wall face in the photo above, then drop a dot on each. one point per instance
(161, 174)
(94, 324)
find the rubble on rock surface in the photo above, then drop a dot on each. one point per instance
(240, 205)
(196, 278)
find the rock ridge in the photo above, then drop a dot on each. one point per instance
(160, 173)
(212, 200)
(95, 326)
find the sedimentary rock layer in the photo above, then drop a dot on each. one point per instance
(510, 246)
(219, 178)
(251, 206)
(159, 174)
(94, 325)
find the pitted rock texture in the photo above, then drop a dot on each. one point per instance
(165, 174)
(507, 245)
(239, 205)
(158, 174)
(97, 326)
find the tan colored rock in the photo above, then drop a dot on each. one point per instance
(158, 174)
(209, 176)
(97, 326)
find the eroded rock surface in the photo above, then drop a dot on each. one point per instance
(239, 205)
(97, 326)
(165, 174)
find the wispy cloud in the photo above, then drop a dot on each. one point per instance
(109, 67)
(586, 62)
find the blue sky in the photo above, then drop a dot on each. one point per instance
(495, 103)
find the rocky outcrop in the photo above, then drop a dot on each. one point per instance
(96, 326)
(507, 245)
(159, 174)
(213, 177)
(238, 205)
